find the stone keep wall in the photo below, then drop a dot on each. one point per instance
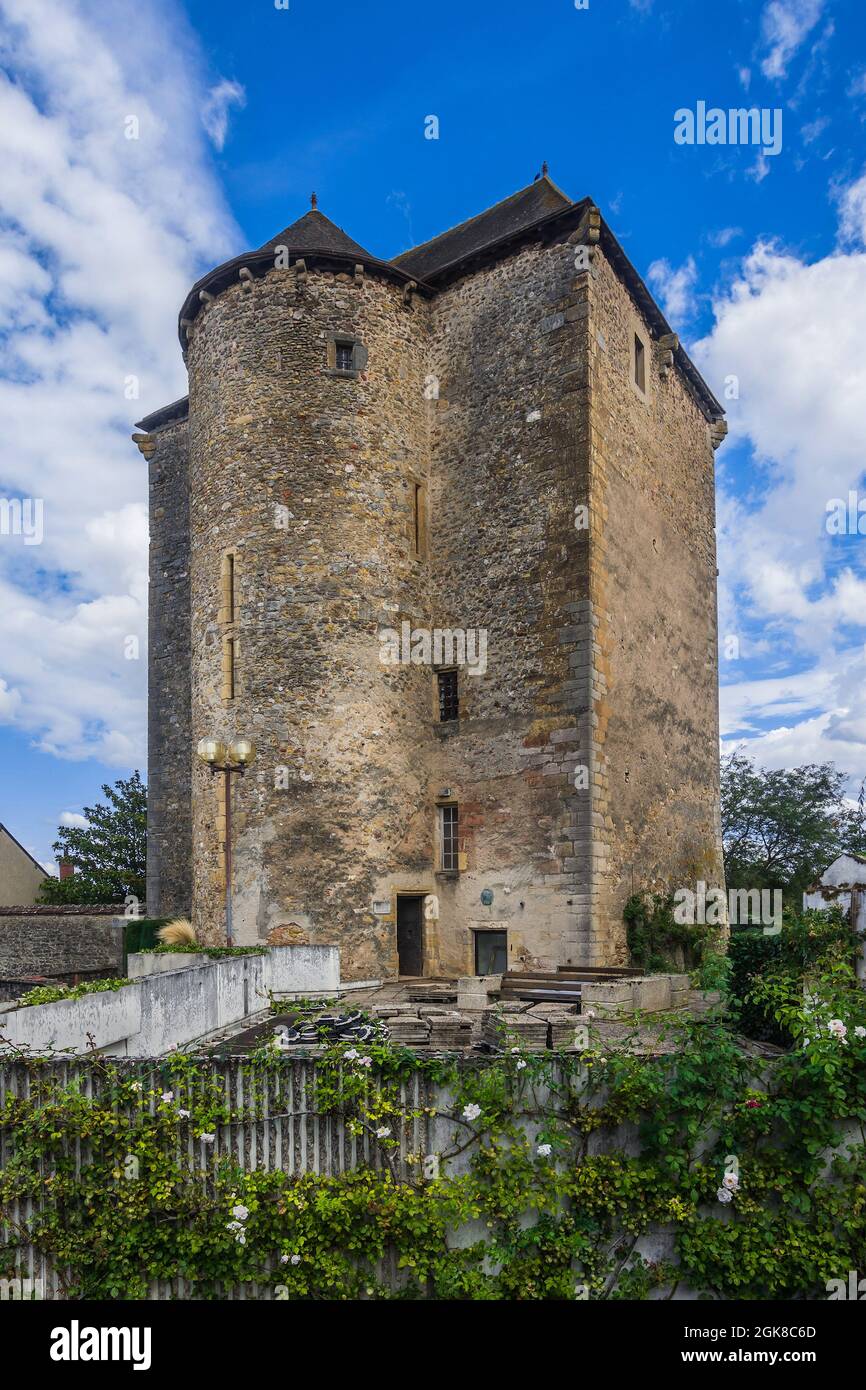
(508, 450)
(601, 641)
(169, 753)
(653, 591)
(271, 428)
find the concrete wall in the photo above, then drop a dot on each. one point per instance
(168, 1009)
(20, 878)
(58, 942)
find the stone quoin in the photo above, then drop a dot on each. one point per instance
(369, 443)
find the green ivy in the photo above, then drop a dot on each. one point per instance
(552, 1169)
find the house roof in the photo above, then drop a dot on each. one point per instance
(514, 214)
(4, 830)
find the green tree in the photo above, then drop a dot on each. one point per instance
(780, 829)
(109, 853)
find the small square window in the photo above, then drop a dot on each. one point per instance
(639, 364)
(449, 700)
(345, 357)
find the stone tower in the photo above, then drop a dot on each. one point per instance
(438, 534)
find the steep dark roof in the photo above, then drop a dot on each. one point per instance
(512, 215)
(166, 415)
(539, 212)
(316, 232)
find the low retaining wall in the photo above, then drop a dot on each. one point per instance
(172, 1008)
(59, 942)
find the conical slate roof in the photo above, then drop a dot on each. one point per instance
(316, 232)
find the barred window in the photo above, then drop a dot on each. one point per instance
(345, 357)
(449, 702)
(449, 824)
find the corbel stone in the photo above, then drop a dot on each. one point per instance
(666, 346)
(300, 269)
(246, 277)
(407, 292)
(146, 444)
(206, 297)
(717, 431)
(588, 233)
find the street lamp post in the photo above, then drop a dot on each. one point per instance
(236, 757)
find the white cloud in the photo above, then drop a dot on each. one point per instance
(103, 235)
(675, 287)
(813, 129)
(73, 820)
(852, 212)
(725, 235)
(784, 26)
(215, 111)
(790, 331)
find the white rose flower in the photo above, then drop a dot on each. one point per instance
(240, 1211)
(296, 1259)
(351, 1054)
(731, 1181)
(471, 1112)
(167, 1097)
(184, 1114)
(544, 1150)
(383, 1132)
(724, 1195)
(207, 1138)
(521, 1066)
(860, 1031)
(837, 1028)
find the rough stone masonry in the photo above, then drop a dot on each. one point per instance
(494, 433)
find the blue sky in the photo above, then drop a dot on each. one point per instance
(758, 262)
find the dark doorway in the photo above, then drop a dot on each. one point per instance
(491, 952)
(410, 936)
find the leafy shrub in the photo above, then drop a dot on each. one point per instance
(654, 935)
(51, 994)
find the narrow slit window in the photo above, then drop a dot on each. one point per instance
(230, 588)
(449, 699)
(229, 665)
(449, 823)
(639, 364)
(418, 528)
(345, 357)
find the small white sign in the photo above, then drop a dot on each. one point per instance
(382, 908)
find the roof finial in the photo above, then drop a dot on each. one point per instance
(544, 169)
(314, 201)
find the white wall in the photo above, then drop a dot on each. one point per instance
(171, 1008)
